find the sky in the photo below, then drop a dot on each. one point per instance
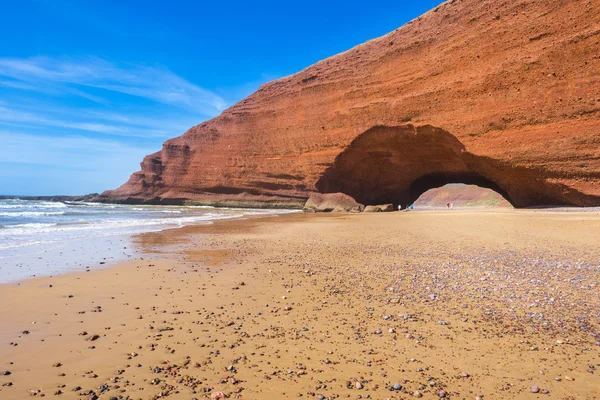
(89, 87)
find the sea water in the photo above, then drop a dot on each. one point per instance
(40, 238)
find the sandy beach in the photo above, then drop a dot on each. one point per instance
(461, 305)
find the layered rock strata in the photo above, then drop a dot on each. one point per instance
(501, 93)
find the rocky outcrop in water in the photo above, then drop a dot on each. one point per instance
(503, 94)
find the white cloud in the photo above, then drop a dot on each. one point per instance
(74, 152)
(126, 127)
(72, 126)
(10, 83)
(157, 84)
(46, 165)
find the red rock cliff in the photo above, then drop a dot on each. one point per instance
(502, 93)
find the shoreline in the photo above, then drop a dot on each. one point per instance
(304, 304)
(113, 259)
(82, 235)
(275, 204)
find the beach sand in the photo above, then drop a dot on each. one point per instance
(496, 304)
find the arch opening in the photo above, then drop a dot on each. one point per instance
(462, 196)
(472, 185)
(398, 164)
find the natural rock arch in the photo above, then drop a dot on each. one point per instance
(396, 164)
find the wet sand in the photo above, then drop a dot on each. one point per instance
(385, 306)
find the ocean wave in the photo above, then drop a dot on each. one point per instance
(27, 204)
(88, 204)
(68, 223)
(84, 213)
(32, 225)
(24, 228)
(115, 226)
(155, 209)
(31, 213)
(87, 223)
(16, 245)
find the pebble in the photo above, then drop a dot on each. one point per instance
(535, 389)
(6, 373)
(422, 327)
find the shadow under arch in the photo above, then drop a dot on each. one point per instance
(396, 164)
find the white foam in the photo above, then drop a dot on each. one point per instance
(31, 213)
(154, 209)
(106, 226)
(33, 231)
(33, 226)
(30, 205)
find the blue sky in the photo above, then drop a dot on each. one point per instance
(87, 88)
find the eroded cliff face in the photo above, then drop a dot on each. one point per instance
(503, 93)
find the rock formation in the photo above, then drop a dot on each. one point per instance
(500, 93)
(461, 196)
(380, 208)
(332, 202)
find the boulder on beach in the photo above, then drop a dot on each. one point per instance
(380, 208)
(386, 207)
(332, 202)
(372, 209)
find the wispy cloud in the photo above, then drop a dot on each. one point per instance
(18, 148)
(56, 93)
(10, 83)
(157, 83)
(82, 125)
(93, 121)
(40, 164)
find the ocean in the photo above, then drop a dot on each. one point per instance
(40, 238)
